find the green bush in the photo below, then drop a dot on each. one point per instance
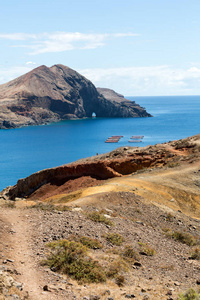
(115, 239)
(189, 295)
(90, 243)
(71, 258)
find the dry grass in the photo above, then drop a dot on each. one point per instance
(115, 239)
(145, 249)
(90, 243)
(130, 254)
(184, 238)
(49, 207)
(195, 254)
(98, 217)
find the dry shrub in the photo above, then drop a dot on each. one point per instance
(195, 254)
(115, 239)
(98, 217)
(120, 280)
(90, 243)
(145, 249)
(189, 295)
(130, 254)
(184, 238)
(71, 258)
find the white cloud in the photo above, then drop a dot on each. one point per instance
(62, 41)
(17, 36)
(141, 81)
(30, 63)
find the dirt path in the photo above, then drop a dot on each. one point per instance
(17, 246)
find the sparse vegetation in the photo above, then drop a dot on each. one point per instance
(117, 266)
(71, 258)
(50, 207)
(115, 239)
(9, 204)
(120, 280)
(130, 254)
(166, 230)
(90, 243)
(173, 164)
(169, 217)
(185, 238)
(98, 217)
(184, 144)
(195, 253)
(189, 295)
(112, 271)
(145, 249)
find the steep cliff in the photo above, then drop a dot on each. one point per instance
(51, 94)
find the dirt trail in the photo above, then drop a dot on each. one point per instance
(17, 244)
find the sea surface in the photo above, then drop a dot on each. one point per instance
(30, 149)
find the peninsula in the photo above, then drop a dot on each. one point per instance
(46, 95)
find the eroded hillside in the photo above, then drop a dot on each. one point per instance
(136, 210)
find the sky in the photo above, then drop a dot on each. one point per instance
(136, 47)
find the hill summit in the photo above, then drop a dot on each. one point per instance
(57, 93)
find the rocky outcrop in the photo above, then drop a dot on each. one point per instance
(51, 94)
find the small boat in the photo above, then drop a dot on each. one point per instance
(117, 136)
(134, 141)
(137, 137)
(111, 141)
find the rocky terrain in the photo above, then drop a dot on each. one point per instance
(47, 95)
(149, 198)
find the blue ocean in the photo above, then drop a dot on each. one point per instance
(30, 149)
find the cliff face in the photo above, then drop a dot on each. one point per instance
(57, 93)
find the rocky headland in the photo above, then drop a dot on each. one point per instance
(138, 209)
(57, 93)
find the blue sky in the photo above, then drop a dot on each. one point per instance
(136, 47)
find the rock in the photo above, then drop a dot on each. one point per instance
(45, 288)
(51, 94)
(140, 222)
(92, 297)
(14, 297)
(198, 281)
(10, 260)
(169, 292)
(146, 297)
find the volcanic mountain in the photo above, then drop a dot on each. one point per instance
(57, 93)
